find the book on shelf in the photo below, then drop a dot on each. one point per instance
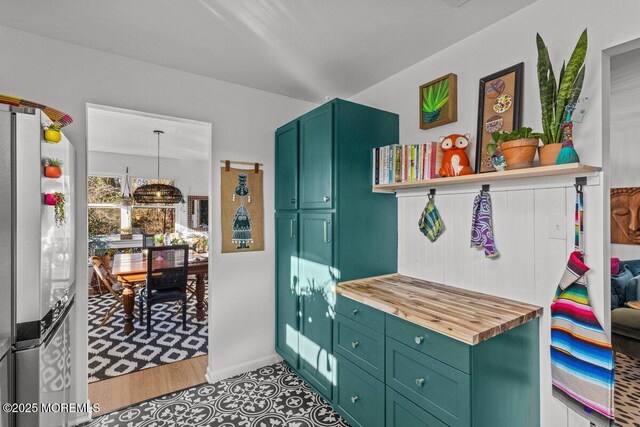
(405, 163)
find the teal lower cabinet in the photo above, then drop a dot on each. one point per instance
(395, 373)
(358, 396)
(360, 345)
(402, 413)
(433, 385)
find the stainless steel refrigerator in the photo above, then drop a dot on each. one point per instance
(37, 284)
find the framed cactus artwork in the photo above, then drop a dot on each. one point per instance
(439, 102)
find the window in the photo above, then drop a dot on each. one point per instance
(106, 214)
(153, 219)
(104, 195)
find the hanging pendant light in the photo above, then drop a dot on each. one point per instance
(157, 193)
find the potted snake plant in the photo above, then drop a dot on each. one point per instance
(556, 96)
(52, 167)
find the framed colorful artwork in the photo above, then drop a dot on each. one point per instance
(439, 102)
(499, 108)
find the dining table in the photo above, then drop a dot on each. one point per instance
(131, 269)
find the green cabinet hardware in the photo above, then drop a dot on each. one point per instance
(402, 413)
(287, 167)
(360, 313)
(360, 345)
(287, 287)
(359, 397)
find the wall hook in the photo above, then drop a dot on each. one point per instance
(485, 187)
(432, 192)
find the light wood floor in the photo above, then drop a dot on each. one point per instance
(125, 390)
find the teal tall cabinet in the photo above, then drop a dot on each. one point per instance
(330, 226)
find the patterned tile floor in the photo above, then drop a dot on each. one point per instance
(273, 396)
(627, 396)
(113, 353)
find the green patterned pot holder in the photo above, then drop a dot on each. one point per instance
(430, 222)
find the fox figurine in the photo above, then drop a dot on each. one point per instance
(455, 161)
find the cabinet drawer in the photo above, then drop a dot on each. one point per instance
(360, 345)
(361, 313)
(445, 349)
(434, 386)
(359, 397)
(402, 413)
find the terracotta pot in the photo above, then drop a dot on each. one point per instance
(52, 171)
(51, 135)
(548, 154)
(519, 154)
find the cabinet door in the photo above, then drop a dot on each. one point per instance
(316, 158)
(287, 167)
(287, 307)
(317, 300)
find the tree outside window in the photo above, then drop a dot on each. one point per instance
(105, 211)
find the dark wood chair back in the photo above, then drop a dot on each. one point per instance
(167, 267)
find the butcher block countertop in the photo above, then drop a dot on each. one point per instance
(467, 316)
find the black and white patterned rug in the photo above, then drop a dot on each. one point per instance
(113, 353)
(267, 397)
(627, 394)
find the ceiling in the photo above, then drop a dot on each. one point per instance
(131, 133)
(306, 49)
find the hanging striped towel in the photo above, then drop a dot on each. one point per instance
(582, 363)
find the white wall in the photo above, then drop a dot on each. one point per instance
(191, 175)
(241, 286)
(625, 131)
(531, 262)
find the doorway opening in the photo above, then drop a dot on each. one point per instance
(143, 341)
(623, 70)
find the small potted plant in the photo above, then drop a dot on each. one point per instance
(126, 233)
(159, 239)
(52, 167)
(52, 133)
(557, 95)
(518, 147)
(202, 244)
(57, 201)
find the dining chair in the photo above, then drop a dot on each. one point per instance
(167, 271)
(113, 287)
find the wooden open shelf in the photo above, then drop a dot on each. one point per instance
(574, 169)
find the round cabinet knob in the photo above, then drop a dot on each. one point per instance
(354, 344)
(354, 399)
(355, 311)
(419, 339)
(326, 198)
(420, 382)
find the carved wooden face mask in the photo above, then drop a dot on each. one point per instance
(625, 215)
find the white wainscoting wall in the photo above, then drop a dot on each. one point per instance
(528, 268)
